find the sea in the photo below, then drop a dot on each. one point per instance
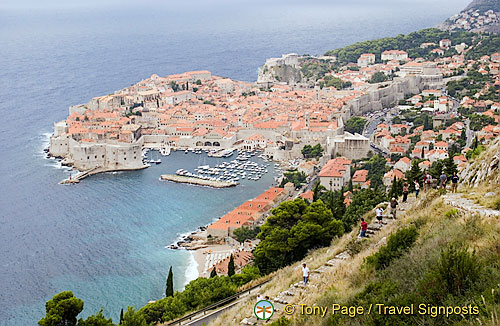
(104, 239)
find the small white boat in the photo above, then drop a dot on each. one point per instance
(165, 151)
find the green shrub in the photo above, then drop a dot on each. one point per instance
(248, 273)
(198, 293)
(452, 213)
(396, 246)
(496, 204)
(354, 246)
(455, 273)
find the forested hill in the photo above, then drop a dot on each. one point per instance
(484, 5)
(409, 43)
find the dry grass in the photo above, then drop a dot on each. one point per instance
(336, 277)
(342, 282)
(478, 195)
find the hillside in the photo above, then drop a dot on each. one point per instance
(479, 16)
(484, 5)
(444, 251)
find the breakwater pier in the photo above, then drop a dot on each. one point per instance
(198, 181)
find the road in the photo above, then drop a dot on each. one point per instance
(469, 133)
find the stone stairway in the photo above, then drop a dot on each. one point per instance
(296, 291)
(458, 201)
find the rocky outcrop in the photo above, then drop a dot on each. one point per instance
(285, 69)
(281, 73)
(486, 168)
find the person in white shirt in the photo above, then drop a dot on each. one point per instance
(305, 273)
(259, 297)
(379, 211)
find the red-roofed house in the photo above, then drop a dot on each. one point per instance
(404, 164)
(360, 177)
(336, 173)
(389, 177)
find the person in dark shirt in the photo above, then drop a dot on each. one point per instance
(443, 179)
(454, 182)
(405, 192)
(394, 207)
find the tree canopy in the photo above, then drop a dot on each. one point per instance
(378, 77)
(293, 228)
(315, 151)
(355, 125)
(62, 310)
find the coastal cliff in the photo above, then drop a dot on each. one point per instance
(292, 69)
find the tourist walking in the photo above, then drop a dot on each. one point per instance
(379, 212)
(443, 178)
(405, 192)
(305, 273)
(417, 187)
(427, 181)
(454, 182)
(364, 227)
(394, 207)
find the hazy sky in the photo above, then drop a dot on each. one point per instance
(88, 4)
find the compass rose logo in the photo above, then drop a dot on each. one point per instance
(263, 310)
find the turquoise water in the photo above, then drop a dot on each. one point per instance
(104, 238)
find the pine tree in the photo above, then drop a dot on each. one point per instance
(121, 317)
(213, 273)
(230, 266)
(170, 284)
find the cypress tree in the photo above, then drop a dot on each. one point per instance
(213, 273)
(230, 266)
(415, 173)
(170, 284)
(350, 186)
(449, 166)
(121, 317)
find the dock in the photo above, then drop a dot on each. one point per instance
(198, 181)
(82, 175)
